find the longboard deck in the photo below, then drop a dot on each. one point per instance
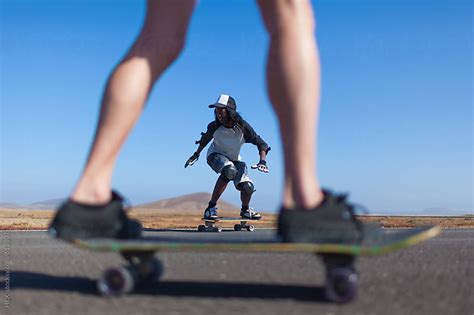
(213, 225)
(388, 242)
(229, 219)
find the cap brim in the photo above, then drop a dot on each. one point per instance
(217, 105)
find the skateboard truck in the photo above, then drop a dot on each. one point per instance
(342, 278)
(142, 269)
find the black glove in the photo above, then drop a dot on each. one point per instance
(261, 166)
(192, 159)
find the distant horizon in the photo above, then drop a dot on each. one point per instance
(422, 212)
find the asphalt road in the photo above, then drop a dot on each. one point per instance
(43, 276)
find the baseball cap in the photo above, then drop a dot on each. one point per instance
(224, 101)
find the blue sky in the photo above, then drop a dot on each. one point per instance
(396, 118)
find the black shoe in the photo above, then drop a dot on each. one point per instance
(250, 214)
(211, 213)
(78, 221)
(333, 221)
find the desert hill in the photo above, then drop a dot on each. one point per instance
(46, 204)
(196, 202)
(9, 205)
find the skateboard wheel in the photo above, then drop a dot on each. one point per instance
(250, 228)
(341, 284)
(218, 229)
(152, 271)
(237, 227)
(116, 281)
(201, 228)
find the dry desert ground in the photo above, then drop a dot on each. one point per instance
(26, 219)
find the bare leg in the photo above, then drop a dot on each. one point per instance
(219, 188)
(245, 199)
(293, 77)
(158, 45)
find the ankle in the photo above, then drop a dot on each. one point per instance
(212, 204)
(244, 208)
(313, 200)
(91, 195)
(306, 201)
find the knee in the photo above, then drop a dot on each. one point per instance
(229, 172)
(290, 16)
(171, 46)
(246, 187)
(160, 49)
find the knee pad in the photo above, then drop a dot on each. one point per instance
(229, 172)
(246, 187)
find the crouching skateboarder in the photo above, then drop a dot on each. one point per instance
(229, 131)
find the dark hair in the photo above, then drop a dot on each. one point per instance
(234, 116)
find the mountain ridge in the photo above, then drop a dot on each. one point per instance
(189, 202)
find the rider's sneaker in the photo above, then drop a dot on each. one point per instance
(333, 221)
(211, 213)
(250, 214)
(74, 220)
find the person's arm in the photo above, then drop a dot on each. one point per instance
(206, 137)
(252, 137)
(262, 164)
(199, 149)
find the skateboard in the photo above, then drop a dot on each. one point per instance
(212, 225)
(143, 268)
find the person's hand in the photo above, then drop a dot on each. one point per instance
(261, 166)
(192, 159)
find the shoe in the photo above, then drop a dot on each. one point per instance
(333, 221)
(74, 220)
(211, 213)
(250, 214)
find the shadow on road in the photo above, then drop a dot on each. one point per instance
(235, 290)
(44, 282)
(39, 281)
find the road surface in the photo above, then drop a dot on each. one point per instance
(44, 276)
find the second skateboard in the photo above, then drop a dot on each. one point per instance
(214, 225)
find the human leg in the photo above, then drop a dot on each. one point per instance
(93, 210)
(244, 184)
(246, 191)
(158, 45)
(293, 81)
(220, 164)
(219, 188)
(211, 211)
